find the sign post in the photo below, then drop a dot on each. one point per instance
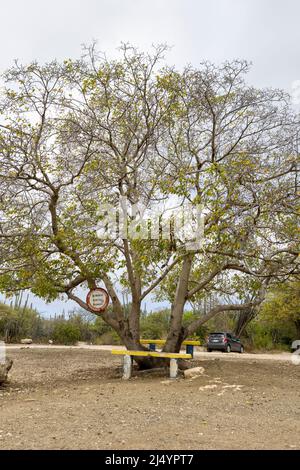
(97, 300)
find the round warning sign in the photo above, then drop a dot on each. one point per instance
(97, 299)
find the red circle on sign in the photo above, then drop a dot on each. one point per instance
(94, 300)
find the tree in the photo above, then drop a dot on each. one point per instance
(283, 305)
(83, 134)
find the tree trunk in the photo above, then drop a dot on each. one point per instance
(4, 369)
(297, 325)
(243, 320)
(176, 333)
(142, 362)
(129, 333)
(131, 336)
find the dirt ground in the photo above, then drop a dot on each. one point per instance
(76, 399)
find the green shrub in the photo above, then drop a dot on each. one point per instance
(261, 336)
(84, 325)
(99, 327)
(201, 332)
(66, 333)
(111, 337)
(155, 325)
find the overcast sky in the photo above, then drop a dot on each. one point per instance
(265, 32)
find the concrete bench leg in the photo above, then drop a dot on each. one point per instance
(173, 368)
(127, 366)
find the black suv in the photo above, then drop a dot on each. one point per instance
(224, 342)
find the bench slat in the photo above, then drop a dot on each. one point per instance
(191, 343)
(125, 352)
(163, 341)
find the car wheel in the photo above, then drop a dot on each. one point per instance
(228, 348)
(241, 349)
(208, 350)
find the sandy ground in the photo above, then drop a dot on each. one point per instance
(74, 398)
(200, 352)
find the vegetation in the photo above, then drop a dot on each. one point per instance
(274, 326)
(17, 323)
(281, 310)
(65, 332)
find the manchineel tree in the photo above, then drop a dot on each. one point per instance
(78, 135)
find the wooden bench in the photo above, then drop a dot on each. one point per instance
(189, 344)
(128, 356)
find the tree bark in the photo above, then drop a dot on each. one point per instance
(176, 333)
(297, 325)
(243, 320)
(4, 369)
